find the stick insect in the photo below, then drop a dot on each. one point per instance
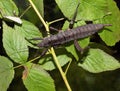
(71, 34)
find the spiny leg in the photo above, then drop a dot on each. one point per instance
(44, 52)
(78, 46)
(55, 29)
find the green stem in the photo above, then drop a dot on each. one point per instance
(27, 62)
(56, 20)
(60, 69)
(39, 15)
(25, 11)
(68, 67)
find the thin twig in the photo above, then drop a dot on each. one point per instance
(27, 62)
(25, 11)
(60, 69)
(66, 70)
(39, 15)
(56, 20)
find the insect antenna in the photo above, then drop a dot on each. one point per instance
(107, 24)
(33, 39)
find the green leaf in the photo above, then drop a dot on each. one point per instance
(29, 31)
(98, 61)
(15, 43)
(92, 9)
(102, 47)
(47, 62)
(88, 9)
(37, 79)
(6, 73)
(8, 8)
(113, 36)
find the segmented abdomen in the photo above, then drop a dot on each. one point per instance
(71, 34)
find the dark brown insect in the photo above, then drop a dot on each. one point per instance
(71, 34)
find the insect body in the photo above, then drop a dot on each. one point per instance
(71, 34)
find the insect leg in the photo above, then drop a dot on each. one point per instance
(44, 52)
(30, 42)
(78, 46)
(81, 50)
(41, 55)
(55, 29)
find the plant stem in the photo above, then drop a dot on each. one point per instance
(27, 62)
(60, 69)
(25, 11)
(39, 15)
(56, 20)
(51, 49)
(66, 70)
